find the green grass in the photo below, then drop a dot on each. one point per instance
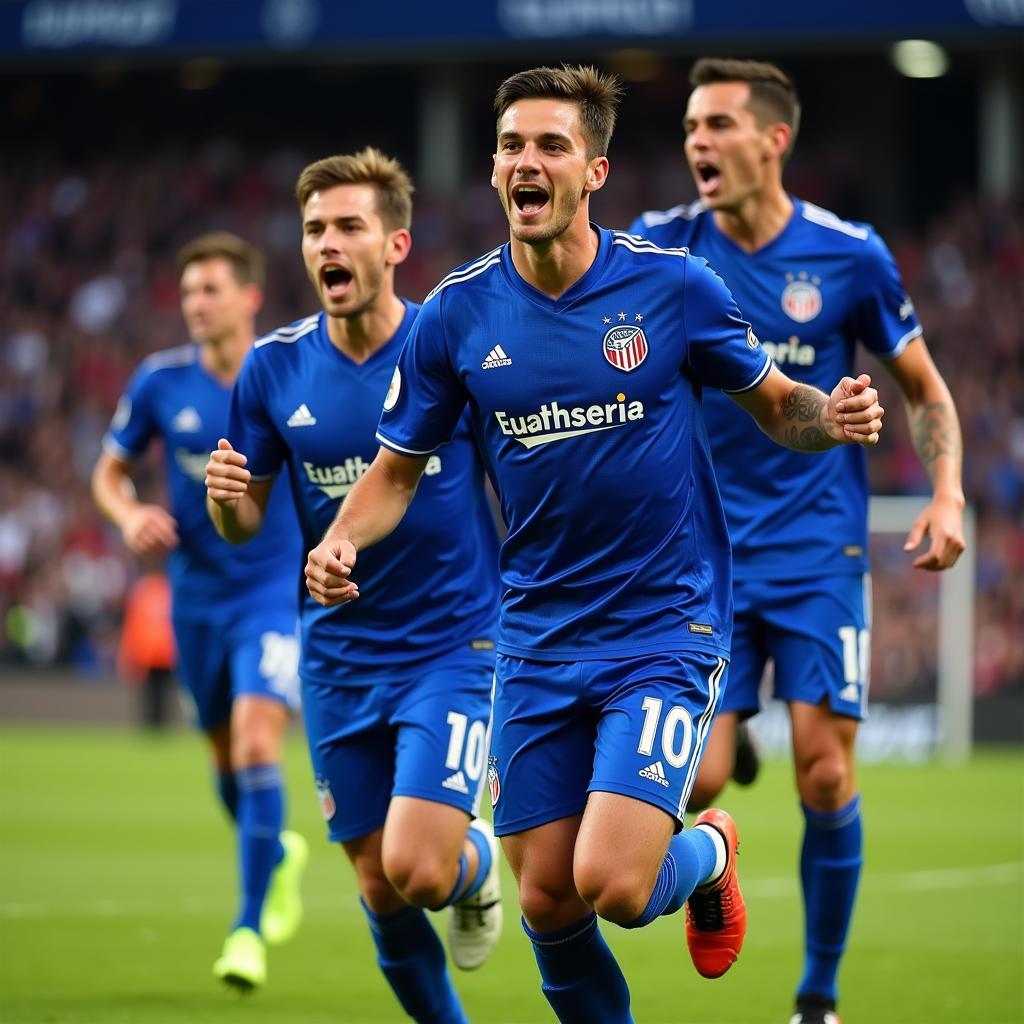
(117, 884)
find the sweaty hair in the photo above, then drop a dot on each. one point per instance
(597, 95)
(245, 260)
(772, 93)
(367, 167)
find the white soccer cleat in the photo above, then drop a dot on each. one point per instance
(475, 923)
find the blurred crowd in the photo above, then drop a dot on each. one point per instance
(88, 288)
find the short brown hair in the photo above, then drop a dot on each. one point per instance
(367, 167)
(773, 95)
(596, 93)
(245, 260)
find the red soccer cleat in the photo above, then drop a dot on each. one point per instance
(716, 916)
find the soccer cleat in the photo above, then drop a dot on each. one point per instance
(243, 961)
(716, 916)
(475, 924)
(282, 909)
(812, 1009)
(747, 762)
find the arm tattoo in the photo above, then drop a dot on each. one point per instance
(805, 405)
(936, 433)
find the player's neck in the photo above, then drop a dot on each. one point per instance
(758, 220)
(553, 267)
(222, 357)
(362, 335)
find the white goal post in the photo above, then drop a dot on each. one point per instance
(956, 625)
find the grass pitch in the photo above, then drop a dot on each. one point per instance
(117, 885)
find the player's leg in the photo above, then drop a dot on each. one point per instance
(352, 748)
(821, 670)
(437, 852)
(632, 862)
(720, 761)
(542, 753)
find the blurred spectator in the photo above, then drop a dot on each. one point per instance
(145, 656)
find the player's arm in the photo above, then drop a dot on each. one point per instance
(373, 508)
(805, 419)
(935, 429)
(235, 502)
(147, 529)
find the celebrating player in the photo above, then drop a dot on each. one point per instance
(814, 285)
(581, 353)
(234, 610)
(397, 687)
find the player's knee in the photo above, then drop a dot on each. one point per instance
(545, 908)
(419, 878)
(824, 782)
(618, 896)
(254, 747)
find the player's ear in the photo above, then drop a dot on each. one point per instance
(597, 174)
(778, 137)
(253, 298)
(399, 244)
(494, 170)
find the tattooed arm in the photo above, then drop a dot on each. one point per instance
(935, 430)
(805, 419)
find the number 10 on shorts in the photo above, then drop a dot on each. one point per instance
(676, 732)
(466, 743)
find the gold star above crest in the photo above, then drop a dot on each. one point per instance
(606, 319)
(639, 318)
(622, 316)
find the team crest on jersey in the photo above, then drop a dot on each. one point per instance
(326, 798)
(625, 347)
(801, 298)
(391, 400)
(493, 782)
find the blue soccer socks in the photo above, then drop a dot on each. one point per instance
(260, 817)
(830, 864)
(411, 957)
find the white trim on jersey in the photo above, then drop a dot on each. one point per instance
(684, 211)
(642, 245)
(388, 443)
(907, 338)
(458, 276)
(704, 723)
(287, 335)
(827, 219)
(757, 380)
(118, 451)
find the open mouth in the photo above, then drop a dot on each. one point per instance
(529, 199)
(708, 173)
(336, 279)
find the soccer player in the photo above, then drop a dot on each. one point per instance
(582, 353)
(397, 687)
(813, 285)
(234, 611)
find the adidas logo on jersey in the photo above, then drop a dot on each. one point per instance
(656, 773)
(302, 417)
(495, 358)
(456, 782)
(187, 421)
(553, 423)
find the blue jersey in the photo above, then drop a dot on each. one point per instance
(430, 588)
(811, 294)
(589, 409)
(173, 397)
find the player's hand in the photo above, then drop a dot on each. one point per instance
(227, 479)
(853, 415)
(327, 573)
(150, 530)
(943, 522)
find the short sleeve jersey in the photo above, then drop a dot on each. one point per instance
(431, 588)
(811, 294)
(172, 397)
(589, 410)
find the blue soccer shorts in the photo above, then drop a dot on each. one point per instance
(253, 654)
(634, 726)
(818, 634)
(421, 732)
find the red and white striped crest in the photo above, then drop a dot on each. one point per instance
(625, 347)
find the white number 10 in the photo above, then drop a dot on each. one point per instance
(676, 756)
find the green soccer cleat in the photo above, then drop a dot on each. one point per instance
(243, 961)
(282, 909)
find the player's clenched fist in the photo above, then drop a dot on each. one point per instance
(227, 479)
(853, 413)
(327, 573)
